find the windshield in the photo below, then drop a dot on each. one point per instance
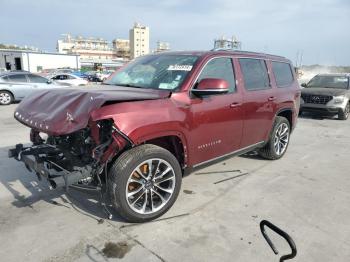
(329, 82)
(155, 71)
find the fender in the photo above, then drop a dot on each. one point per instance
(141, 121)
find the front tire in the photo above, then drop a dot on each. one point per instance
(278, 142)
(144, 183)
(6, 98)
(344, 114)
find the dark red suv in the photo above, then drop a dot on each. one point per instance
(157, 118)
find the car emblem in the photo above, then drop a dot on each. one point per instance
(69, 117)
(316, 98)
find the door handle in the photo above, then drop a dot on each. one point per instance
(272, 98)
(235, 104)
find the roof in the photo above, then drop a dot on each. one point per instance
(34, 52)
(15, 72)
(335, 74)
(225, 52)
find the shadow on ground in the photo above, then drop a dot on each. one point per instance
(27, 190)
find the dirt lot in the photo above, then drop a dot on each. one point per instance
(306, 193)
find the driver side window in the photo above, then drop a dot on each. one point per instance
(220, 68)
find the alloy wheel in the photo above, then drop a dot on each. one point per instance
(281, 139)
(150, 186)
(5, 98)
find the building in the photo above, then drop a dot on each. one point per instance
(122, 48)
(224, 43)
(36, 61)
(162, 46)
(88, 48)
(139, 40)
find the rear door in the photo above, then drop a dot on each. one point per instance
(258, 100)
(216, 124)
(38, 81)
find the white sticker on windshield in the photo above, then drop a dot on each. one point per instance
(180, 68)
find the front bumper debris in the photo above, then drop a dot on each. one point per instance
(39, 159)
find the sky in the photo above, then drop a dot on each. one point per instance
(317, 29)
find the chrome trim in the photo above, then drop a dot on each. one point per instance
(228, 154)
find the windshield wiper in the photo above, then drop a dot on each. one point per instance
(129, 85)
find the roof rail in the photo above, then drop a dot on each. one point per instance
(244, 52)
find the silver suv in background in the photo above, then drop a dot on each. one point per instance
(327, 94)
(16, 85)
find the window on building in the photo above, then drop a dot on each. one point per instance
(283, 74)
(254, 74)
(17, 78)
(220, 68)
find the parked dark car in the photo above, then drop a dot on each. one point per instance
(327, 94)
(157, 118)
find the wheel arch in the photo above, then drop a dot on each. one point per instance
(287, 113)
(174, 142)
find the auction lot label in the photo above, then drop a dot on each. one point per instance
(180, 68)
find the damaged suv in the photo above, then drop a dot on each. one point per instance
(157, 118)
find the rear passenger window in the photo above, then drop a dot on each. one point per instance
(254, 74)
(219, 68)
(283, 74)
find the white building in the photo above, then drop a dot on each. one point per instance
(88, 48)
(139, 40)
(122, 47)
(162, 47)
(35, 61)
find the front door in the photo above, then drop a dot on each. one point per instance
(216, 124)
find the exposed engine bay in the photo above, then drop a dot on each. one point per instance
(78, 158)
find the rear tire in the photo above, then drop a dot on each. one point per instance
(6, 98)
(140, 193)
(344, 114)
(278, 142)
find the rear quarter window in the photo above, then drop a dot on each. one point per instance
(283, 74)
(254, 74)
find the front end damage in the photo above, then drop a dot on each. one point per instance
(76, 159)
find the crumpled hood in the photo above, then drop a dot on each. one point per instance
(65, 110)
(324, 91)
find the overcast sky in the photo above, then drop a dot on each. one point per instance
(317, 28)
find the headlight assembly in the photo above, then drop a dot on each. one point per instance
(338, 99)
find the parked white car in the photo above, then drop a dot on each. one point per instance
(69, 79)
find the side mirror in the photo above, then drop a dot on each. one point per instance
(304, 85)
(49, 81)
(211, 86)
